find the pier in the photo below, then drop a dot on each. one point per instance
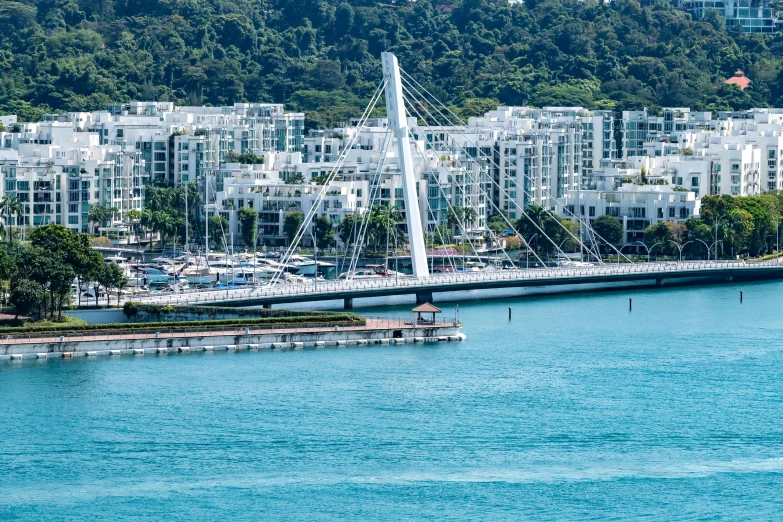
(373, 332)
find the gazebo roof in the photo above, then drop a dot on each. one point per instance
(427, 308)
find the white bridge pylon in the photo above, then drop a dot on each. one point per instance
(398, 124)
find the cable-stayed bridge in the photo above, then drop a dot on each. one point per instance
(408, 103)
(427, 289)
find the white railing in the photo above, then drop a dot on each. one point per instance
(325, 288)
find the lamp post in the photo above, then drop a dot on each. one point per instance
(680, 247)
(706, 245)
(649, 249)
(315, 257)
(717, 221)
(527, 254)
(255, 256)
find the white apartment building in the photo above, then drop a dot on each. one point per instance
(637, 206)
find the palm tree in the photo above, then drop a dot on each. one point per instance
(146, 221)
(10, 206)
(133, 216)
(163, 223)
(98, 214)
(470, 215)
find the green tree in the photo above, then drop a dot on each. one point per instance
(111, 277)
(293, 221)
(26, 296)
(295, 178)
(609, 228)
(324, 232)
(347, 229)
(248, 219)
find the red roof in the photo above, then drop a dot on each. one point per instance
(427, 308)
(739, 79)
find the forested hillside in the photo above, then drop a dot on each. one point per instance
(322, 56)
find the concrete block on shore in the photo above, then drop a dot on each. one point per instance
(115, 352)
(342, 343)
(461, 336)
(320, 344)
(252, 347)
(443, 339)
(138, 351)
(42, 355)
(241, 347)
(209, 348)
(384, 341)
(5, 357)
(126, 352)
(418, 339)
(231, 347)
(264, 346)
(297, 346)
(151, 351)
(79, 354)
(16, 356)
(195, 348)
(330, 343)
(184, 349)
(454, 338)
(363, 342)
(399, 340)
(91, 354)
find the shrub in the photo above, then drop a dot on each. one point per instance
(130, 309)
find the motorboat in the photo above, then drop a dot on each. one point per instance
(147, 275)
(307, 266)
(361, 274)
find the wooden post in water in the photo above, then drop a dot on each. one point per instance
(740, 296)
(630, 304)
(509, 313)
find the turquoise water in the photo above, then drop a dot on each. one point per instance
(575, 409)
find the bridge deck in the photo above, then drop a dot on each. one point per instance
(336, 290)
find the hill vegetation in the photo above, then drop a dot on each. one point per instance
(322, 56)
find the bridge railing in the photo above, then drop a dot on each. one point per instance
(323, 288)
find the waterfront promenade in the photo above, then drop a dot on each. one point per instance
(374, 332)
(423, 289)
(109, 337)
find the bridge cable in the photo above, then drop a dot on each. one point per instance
(543, 190)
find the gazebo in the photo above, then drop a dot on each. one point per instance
(426, 308)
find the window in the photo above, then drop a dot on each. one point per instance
(660, 213)
(684, 212)
(73, 209)
(591, 211)
(73, 220)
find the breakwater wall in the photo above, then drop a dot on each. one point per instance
(149, 345)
